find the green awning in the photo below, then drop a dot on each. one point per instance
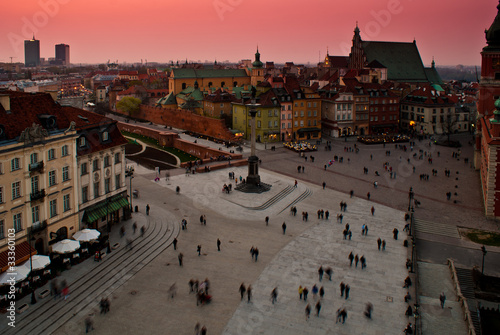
(102, 209)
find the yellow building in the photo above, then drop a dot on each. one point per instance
(267, 128)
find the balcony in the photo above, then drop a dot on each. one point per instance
(38, 227)
(36, 167)
(37, 195)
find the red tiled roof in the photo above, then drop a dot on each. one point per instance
(22, 254)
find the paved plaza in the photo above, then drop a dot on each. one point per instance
(141, 291)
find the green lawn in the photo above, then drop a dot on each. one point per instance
(182, 155)
(484, 237)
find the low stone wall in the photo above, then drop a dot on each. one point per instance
(170, 139)
(186, 120)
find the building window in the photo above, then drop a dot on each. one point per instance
(84, 169)
(52, 154)
(270, 113)
(105, 136)
(53, 208)
(107, 185)
(118, 178)
(85, 194)
(117, 158)
(65, 173)
(95, 165)
(309, 104)
(52, 178)
(289, 125)
(106, 161)
(66, 205)
(302, 123)
(301, 113)
(64, 151)
(96, 190)
(34, 158)
(16, 190)
(18, 224)
(34, 184)
(82, 142)
(2, 229)
(296, 123)
(309, 113)
(1, 195)
(283, 125)
(258, 124)
(314, 123)
(35, 214)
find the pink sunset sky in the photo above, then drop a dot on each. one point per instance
(451, 31)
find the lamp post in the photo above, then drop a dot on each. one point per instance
(33, 298)
(483, 249)
(410, 197)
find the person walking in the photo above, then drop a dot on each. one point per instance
(180, 257)
(351, 193)
(442, 299)
(283, 226)
(318, 307)
(373, 210)
(267, 220)
(324, 185)
(383, 245)
(242, 290)
(351, 257)
(395, 233)
(174, 242)
(368, 310)
(301, 291)
(356, 260)
(308, 311)
(305, 291)
(329, 273)
(342, 289)
(368, 195)
(274, 295)
(379, 243)
(89, 324)
(320, 273)
(199, 249)
(134, 226)
(249, 293)
(321, 292)
(256, 253)
(147, 209)
(218, 244)
(347, 289)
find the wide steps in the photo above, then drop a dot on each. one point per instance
(428, 227)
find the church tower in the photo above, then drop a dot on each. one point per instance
(357, 55)
(489, 85)
(258, 70)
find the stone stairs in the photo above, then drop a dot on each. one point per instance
(467, 288)
(428, 227)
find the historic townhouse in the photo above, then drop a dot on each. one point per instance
(43, 147)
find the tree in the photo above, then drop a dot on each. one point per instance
(129, 105)
(449, 124)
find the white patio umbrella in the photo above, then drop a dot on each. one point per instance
(86, 235)
(20, 274)
(39, 262)
(65, 246)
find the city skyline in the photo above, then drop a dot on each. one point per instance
(452, 32)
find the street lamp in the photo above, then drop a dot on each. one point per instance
(410, 197)
(33, 298)
(483, 249)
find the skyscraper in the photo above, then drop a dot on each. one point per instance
(32, 52)
(62, 53)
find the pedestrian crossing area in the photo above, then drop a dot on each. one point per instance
(434, 228)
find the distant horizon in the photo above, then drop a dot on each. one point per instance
(98, 31)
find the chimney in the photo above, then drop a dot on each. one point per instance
(5, 102)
